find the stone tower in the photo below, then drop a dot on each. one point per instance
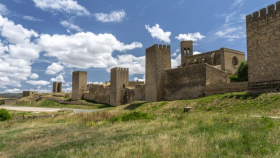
(263, 49)
(186, 50)
(158, 59)
(119, 81)
(79, 84)
(55, 84)
(57, 87)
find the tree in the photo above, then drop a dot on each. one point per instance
(242, 71)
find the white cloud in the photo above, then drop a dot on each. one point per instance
(16, 52)
(38, 87)
(114, 16)
(84, 50)
(12, 91)
(71, 26)
(158, 33)
(139, 79)
(196, 52)
(232, 32)
(58, 78)
(64, 6)
(31, 18)
(94, 82)
(136, 65)
(69, 89)
(190, 37)
(175, 53)
(176, 62)
(34, 76)
(54, 69)
(237, 3)
(38, 83)
(67, 84)
(4, 10)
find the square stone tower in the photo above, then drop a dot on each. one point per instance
(158, 59)
(55, 84)
(119, 81)
(57, 87)
(263, 49)
(186, 50)
(79, 84)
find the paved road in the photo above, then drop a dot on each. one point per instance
(38, 109)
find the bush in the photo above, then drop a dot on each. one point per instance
(5, 115)
(234, 78)
(132, 116)
(242, 71)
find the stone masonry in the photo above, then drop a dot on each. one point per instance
(119, 82)
(263, 49)
(79, 84)
(158, 59)
(57, 87)
(27, 93)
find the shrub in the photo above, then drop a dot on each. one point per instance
(5, 115)
(234, 78)
(132, 116)
(242, 71)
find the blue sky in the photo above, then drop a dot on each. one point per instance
(45, 40)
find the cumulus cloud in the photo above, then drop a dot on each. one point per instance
(136, 65)
(58, 78)
(176, 62)
(64, 6)
(114, 16)
(54, 69)
(38, 83)
(31, 18)
(158, 33)
(190, 37)
(16, 53)
(84, 50)
(34, 76)
(71, 26)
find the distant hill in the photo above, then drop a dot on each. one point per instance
(11, 95)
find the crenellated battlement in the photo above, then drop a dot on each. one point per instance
(158, 46)
(80, 72)
(264, 14)
(120, 69)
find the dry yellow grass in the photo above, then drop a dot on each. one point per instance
(205, 132)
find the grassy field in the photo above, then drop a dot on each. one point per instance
(52, 104)
(219, 126)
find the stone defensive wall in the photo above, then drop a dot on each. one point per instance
(225, 88)
(215, 76)
(98, 93)
(264, 49)
(185, 82)
(192, 81)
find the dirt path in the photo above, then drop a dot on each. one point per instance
(38, 109)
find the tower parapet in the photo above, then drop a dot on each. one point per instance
(264, 16)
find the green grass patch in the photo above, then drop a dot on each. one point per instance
(132, 116)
